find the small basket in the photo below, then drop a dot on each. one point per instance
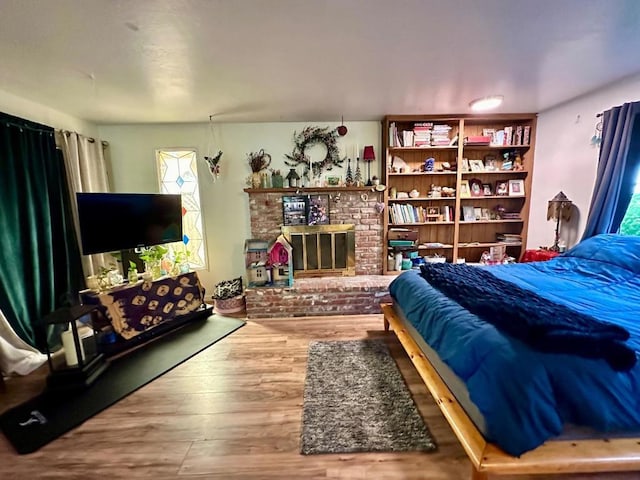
(230, 305)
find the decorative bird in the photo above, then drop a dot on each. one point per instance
(214, 164)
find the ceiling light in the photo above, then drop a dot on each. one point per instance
(486, 103)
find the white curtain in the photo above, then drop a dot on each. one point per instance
(84, 159)
(16, 356)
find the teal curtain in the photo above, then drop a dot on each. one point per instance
(39, 253)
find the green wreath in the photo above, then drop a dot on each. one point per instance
(312, 136)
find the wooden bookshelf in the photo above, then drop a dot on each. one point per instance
(405, 171)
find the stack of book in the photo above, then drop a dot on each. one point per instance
(509, 238)
(440, 135)
(510, 215)
(422, 134)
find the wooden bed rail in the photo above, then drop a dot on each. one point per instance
(554, 456)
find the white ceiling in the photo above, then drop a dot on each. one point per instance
(130, 61)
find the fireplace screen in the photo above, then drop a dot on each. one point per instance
(322, 250)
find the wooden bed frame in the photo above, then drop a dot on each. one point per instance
(554, 456)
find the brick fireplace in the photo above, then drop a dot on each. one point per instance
(326, 295)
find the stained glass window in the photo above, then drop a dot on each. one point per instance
(178, 173)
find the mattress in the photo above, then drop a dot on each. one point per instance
(523, 396)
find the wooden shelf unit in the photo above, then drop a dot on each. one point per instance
(466, 239)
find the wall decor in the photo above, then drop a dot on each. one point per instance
(309, 137)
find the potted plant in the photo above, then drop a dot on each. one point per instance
(152, 258)
(181, 262)
(132, 273)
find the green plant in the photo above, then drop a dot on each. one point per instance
(153, 254)
(132, 266)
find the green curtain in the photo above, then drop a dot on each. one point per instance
(39, 254)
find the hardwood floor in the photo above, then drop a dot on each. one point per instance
(234, 412)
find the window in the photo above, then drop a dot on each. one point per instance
(631, 222)
(178, 173)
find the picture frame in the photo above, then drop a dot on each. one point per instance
(477, 213)
(468, 213)
(475, 187)
(487, 190)
(464, 165)
(465, 192)
(516, 187)
(502, 188)
(476, 165)
(485, 214)
(490, 163)
(294, 210)
(433, 214)
(333, 181)
(318, 210)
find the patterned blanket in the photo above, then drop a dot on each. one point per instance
(521, 313)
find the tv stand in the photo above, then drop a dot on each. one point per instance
(172, 326)
(131, 315)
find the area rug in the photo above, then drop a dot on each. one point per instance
(355, 400)
(44, 418)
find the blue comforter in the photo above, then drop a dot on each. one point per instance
(527, 396)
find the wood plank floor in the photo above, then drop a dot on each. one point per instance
(234, 412)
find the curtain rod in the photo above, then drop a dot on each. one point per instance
(28, 127)
(90, 139)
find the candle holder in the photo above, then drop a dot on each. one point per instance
(83, 363)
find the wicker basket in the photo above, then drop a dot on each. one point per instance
(230, 305)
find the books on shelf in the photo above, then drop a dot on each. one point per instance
(509, 238)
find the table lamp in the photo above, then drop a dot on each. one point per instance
(559, 207)
(368, 155)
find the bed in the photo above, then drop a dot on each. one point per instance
(520, 407)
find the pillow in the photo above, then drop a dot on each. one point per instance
(619, 250)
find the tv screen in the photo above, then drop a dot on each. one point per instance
(119, 221)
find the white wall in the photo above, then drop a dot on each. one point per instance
(565, 159)
(225, 206)
(36, 112)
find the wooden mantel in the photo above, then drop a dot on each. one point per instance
(300, 190)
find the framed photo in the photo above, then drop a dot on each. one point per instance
(433, 214)
(516, 188)
(485, 214)
(487, 191)
(502, 188)
(294, 210)
(468, 213)
(333, 181)
(464, 189)
(318, 212)
(476, 165)
(475, 186)
(464, 166)
(490, 163)
(477, 213)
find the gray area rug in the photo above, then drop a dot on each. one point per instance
(355, 400)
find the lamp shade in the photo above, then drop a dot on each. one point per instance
(368, 155)
(559, 207)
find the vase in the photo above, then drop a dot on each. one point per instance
(256, 179)
(277, 181)
(132, 275)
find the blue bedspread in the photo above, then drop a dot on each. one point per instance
(526, 396)
(540, 323)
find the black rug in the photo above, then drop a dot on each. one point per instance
(355, 400)
(46, 417)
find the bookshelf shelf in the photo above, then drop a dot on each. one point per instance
(435, 133)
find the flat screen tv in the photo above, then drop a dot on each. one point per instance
(120, 221)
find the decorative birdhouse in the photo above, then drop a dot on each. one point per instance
(281, 261)
(256, 259)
